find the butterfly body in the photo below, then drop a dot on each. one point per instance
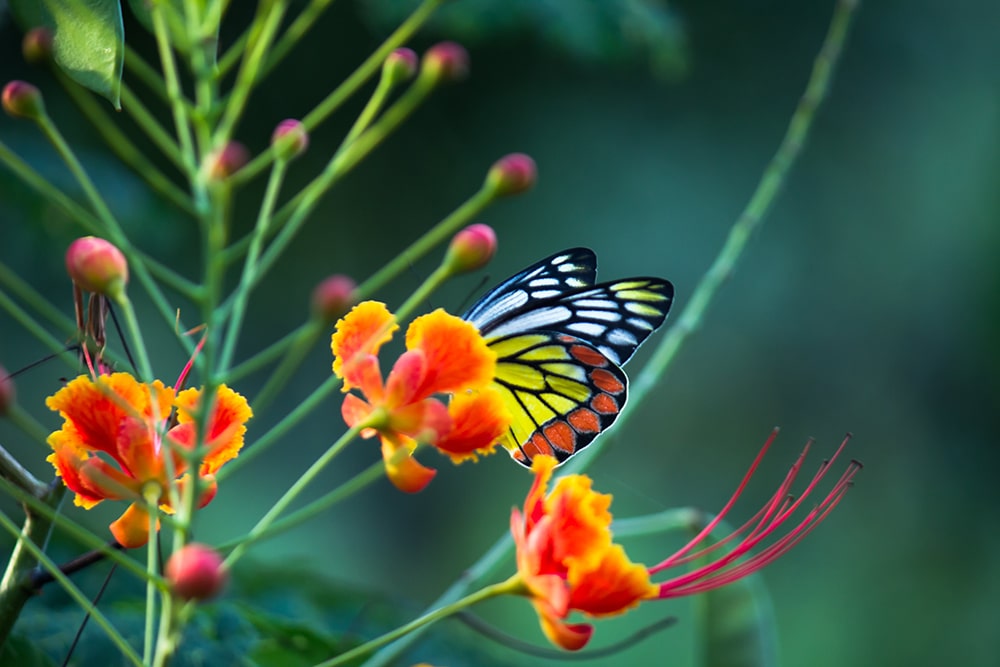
(560, 341)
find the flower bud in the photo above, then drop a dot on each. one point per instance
(23, 100)
(195, 572)
(512, 174)
(471, 249)
(446, 61)
(333, 297)
(290, 139)
(400, 66)
(95, 265)
(226, 161)
(7, 391)
(37, 45)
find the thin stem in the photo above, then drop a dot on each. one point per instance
(345, 90)
(272, 352)
(511, 586)
(12, 469)
(145, 73)
(28, 425)
(179, 109)
(291, 494)
(306, 337)
(655, 370)
(359, 482)
(250, 265)
(145, 120)
(29, 323)
(135, 332)
(151, 568)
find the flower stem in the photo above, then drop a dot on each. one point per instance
(151, 568)
(135, 332)
(12, 469)
(306, 337)
(291, 494)
(508, 587)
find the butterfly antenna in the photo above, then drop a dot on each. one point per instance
(121, 337)
(39, 362)
(475, 290)
(83, 625)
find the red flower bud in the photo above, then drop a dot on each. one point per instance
(7, 391)
(226, 161)
(290, 139)
(95, 265)
(37, 45)
(512, 174)
(195, 572)
(471, 249)
(23, 100)
(400, 66)
(333, 297)
(447, 61)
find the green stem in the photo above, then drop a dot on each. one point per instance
(250, 265)
(145, 120)
(272, 352)
(306, 337)
(345, 90)
(295, 32)
(681, 518)
(55, 345)
(262, 32)
(121, 145)
(12, 469)
(291, 494)
(145, 73)
(359, 482)
(760, 202)
(151, 568)
(28, 425)
(182, 121)
(512, 586)
(138, 344)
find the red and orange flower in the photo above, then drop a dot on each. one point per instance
(567, 560)
(444, 355)
(117, 434)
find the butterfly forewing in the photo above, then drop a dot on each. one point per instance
(550, 278)
(560, 342)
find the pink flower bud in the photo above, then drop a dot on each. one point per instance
(7, 391)
(226, 161)
(512, 174)
(195, 572)
(400, 66)
(95, 265)
(23, 100)
(37, 45)
(333, 297)
(471, 249)
(447, 61)
(290, 139)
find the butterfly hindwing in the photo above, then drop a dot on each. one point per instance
(562, 391)
(560, 341)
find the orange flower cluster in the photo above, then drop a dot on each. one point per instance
(444, 355)
(116, 437)
(567, 561)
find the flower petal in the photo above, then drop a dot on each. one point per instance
(614, 586)
(570, 637)
(405, 378)
(361, 332)
(67, 460)
(403, 470)
(457, 357)
(131, 529)
(478, 421)
(425, 422)
(225, 430)
(355, 411)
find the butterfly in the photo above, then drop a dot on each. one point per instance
(561, 341)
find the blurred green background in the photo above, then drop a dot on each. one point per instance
(867, 303)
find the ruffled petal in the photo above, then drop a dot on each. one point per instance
(102, 479)
(405, 378)
(226, 427)
(362, 331)
(478, 421)
(457, 357)
(571, 637)
(67, 460)
(614, 586)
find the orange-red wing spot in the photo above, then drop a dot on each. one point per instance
(584, 421)
(588, 355)
(606, 381)
(604, 404)
(561, 436)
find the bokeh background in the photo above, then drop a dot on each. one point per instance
(868, 302)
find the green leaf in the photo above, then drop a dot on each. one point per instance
(737, 626)
(89, 39)
(21, 651)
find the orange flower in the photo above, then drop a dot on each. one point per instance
(566, 559)
(115, 437)
(445, 355)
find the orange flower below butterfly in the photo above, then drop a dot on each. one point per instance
(445, 355)
(115, 438)
(566, 559)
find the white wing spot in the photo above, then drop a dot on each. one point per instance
(587, 328)
(602, 315)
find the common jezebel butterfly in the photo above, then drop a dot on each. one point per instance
(561, 341)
